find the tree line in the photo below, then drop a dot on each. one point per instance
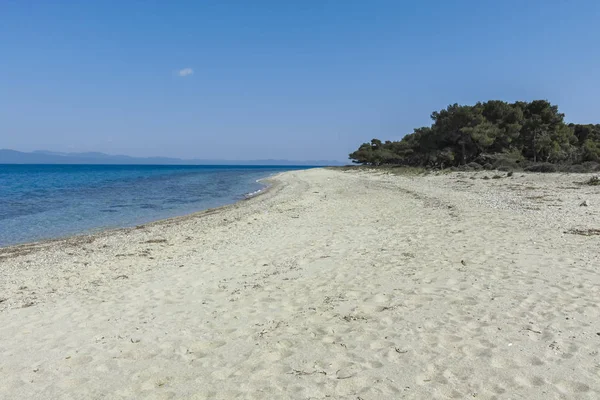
(461, 134)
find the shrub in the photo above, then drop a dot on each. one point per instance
(541, 167)
(474, 166)
(577, 168)
(591, 166)
(496, 177)
(510, 174)
(488, 166)
(512, 160)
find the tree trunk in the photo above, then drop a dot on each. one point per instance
(534, 149)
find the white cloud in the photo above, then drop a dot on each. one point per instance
(185, 72)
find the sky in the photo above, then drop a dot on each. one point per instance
(297, 80)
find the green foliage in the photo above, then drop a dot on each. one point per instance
(590, 150)
(495, 133)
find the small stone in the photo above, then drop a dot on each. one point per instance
(584, 204)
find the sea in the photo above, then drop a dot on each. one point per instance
(52, 201)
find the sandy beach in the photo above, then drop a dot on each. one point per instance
(332, 284)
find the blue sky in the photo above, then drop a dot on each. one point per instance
(278, 79)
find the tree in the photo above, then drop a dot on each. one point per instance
(460, 134)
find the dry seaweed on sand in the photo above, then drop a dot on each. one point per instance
(584, 232)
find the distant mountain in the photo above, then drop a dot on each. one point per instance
(49, 157)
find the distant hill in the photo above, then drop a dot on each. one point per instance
(49, 157)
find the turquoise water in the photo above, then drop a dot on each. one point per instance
(49, 201)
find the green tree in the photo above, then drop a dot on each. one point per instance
(461, 133)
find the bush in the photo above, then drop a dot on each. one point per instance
(577, 168)
(541, 167)
(510, 174)
(474, 166)
(496, 177)
(506, 161)
(591, 166)
(488, 166)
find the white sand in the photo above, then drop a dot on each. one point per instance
(332, 285)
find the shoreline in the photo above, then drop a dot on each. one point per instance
(83, 237)
(330, 285)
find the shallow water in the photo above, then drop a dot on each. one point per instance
(48, 201)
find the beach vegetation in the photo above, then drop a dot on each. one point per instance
(541, 167)
(490, 135)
